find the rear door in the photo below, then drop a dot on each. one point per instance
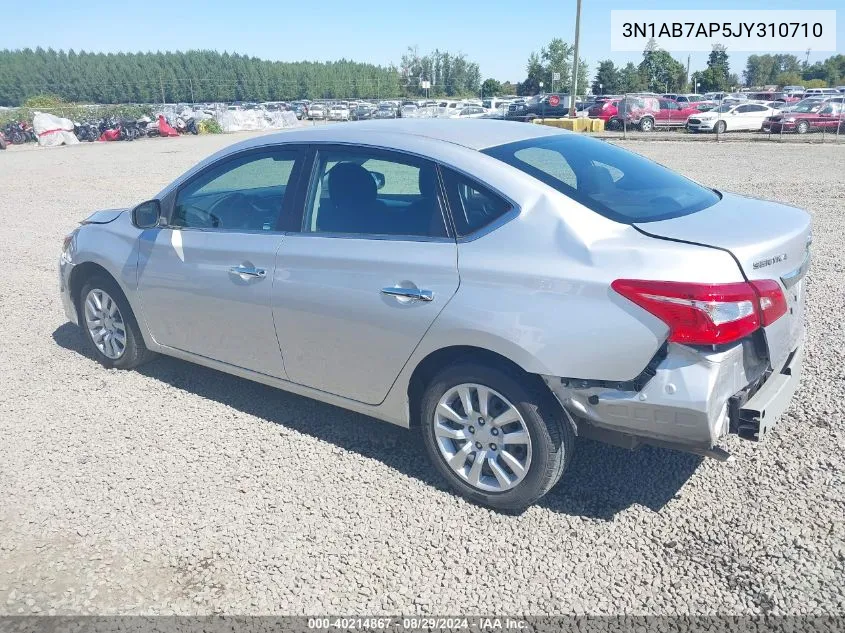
(205, 278)
(370, 268)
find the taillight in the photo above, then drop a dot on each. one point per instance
(772, 300)
(707, 314)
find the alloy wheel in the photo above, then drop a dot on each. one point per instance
(482, 437)
(105, 323)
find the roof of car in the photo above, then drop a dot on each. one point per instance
(474, 133)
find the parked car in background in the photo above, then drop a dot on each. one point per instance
(384, 111)
(338, 113)
(471, 112)
(827, 116)
(605, 110)
(685, 99)
(317, 111)
(731, 118)
(671, 113)
(797, 89)
(361, 113)
(822, 92)
(408, 110)
(546, 106)
(500, 287)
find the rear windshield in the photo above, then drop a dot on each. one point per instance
(611, 181)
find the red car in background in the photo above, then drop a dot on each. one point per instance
(644, 112)
(828, 116)
(604, 110)
(670, 113)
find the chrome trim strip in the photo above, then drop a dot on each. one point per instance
(793, 277)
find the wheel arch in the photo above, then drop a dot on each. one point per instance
(82, 273)
(436, 360)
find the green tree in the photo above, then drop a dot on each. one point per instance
(660, 71)
(491, 88)
(556, 57)
(630, 79)
(608, 79)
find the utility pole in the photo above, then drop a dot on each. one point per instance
(688, 58)
(161, 82)
(191, 84)
(807, 59)
(574, 90)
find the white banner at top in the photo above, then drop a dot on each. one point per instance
(760, 31)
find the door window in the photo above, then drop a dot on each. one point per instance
(245, 193)
(374, 193)
(473, 205)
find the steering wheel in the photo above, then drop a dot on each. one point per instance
(232, 206)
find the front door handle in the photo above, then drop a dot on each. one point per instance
(248, 271)
(408, 293)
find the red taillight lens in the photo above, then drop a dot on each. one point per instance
(707, 314)
(772, 300)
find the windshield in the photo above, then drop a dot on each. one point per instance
(812, 106)
(613, 182)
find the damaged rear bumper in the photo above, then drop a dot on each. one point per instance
(695, 398)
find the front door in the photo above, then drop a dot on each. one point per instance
(372, 267)
(205, 280)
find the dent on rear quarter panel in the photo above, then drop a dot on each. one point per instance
(537, 290)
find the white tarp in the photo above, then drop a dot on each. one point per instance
(52, 130)
(244, 120)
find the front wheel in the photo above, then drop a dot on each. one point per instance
(495, 437)
(803, 127)
(110, 326)
(721, 126)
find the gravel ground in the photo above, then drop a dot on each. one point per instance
(180, 489)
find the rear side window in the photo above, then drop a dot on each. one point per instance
(473, 205)
(611, 181)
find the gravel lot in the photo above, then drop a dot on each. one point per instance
(180, 489)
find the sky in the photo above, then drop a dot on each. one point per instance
(497, 34)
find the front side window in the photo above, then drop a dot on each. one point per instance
(241, 194)
(363, 193)
(611, 181)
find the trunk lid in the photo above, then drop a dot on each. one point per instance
(769, 240)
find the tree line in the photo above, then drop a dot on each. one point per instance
(192, 76)
(660, 72)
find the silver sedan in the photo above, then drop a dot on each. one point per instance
(504, 287)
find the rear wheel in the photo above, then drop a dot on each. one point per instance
(110, 326)
(647, 124)
(496, 438)
(530, 118)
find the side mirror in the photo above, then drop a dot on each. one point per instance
(146, 215)
(379, 178)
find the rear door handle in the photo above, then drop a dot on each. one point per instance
(408, 293)
(248, 271)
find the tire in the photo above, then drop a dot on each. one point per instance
(530, 118)
(647, 124)
(17, 138)
(134, 352)
(721, 126)
(546, 455)
(803, 127)
(2, 143)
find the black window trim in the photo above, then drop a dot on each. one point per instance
(308, 182)
(491, 226)
(292, 187)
